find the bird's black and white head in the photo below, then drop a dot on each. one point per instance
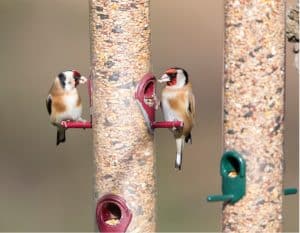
(70, 79)
(175, 77)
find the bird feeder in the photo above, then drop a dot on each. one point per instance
(233, 172)
(124, 159)
(254, 88)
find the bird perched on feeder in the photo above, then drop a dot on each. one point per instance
(63, 102)
(178, 104)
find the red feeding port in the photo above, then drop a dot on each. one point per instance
(112, 214)
(145, 94)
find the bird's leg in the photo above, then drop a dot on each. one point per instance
(157, 102)
(174, 128)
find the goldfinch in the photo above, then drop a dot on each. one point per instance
(178, 104)
(63, 102)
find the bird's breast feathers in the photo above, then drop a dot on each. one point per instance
(72, 100)
(179, 105)
(66, 107)
(176, 101)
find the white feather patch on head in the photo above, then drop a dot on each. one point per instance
(180, 79)
(69, 82)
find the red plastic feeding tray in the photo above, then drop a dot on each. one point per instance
(167, 124)
(80, 124)
(145, 94)
(76, 125)
(112, 214)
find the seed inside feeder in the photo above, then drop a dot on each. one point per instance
(112, 222)
(232, 174)
(112, 213)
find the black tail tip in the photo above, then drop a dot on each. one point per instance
(60, 136)
(178, 166)
(60, 141)
(188, 138)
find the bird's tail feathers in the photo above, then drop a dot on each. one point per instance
(188, 138)
(178, 161)
(61, 135)
(179, 146)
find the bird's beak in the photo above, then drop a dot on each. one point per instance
(164, 78)
(82, 80)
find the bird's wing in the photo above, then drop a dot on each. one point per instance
(191, 106)
(49, 104)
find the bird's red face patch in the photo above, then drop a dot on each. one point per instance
(172, 82)
(76, 73)
(76, 76)
(172, 73)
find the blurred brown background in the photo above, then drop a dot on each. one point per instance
(49, 188)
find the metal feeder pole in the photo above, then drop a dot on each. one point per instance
(123, 149)
(254, 110)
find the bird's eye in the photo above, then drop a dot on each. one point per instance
(173, 75)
